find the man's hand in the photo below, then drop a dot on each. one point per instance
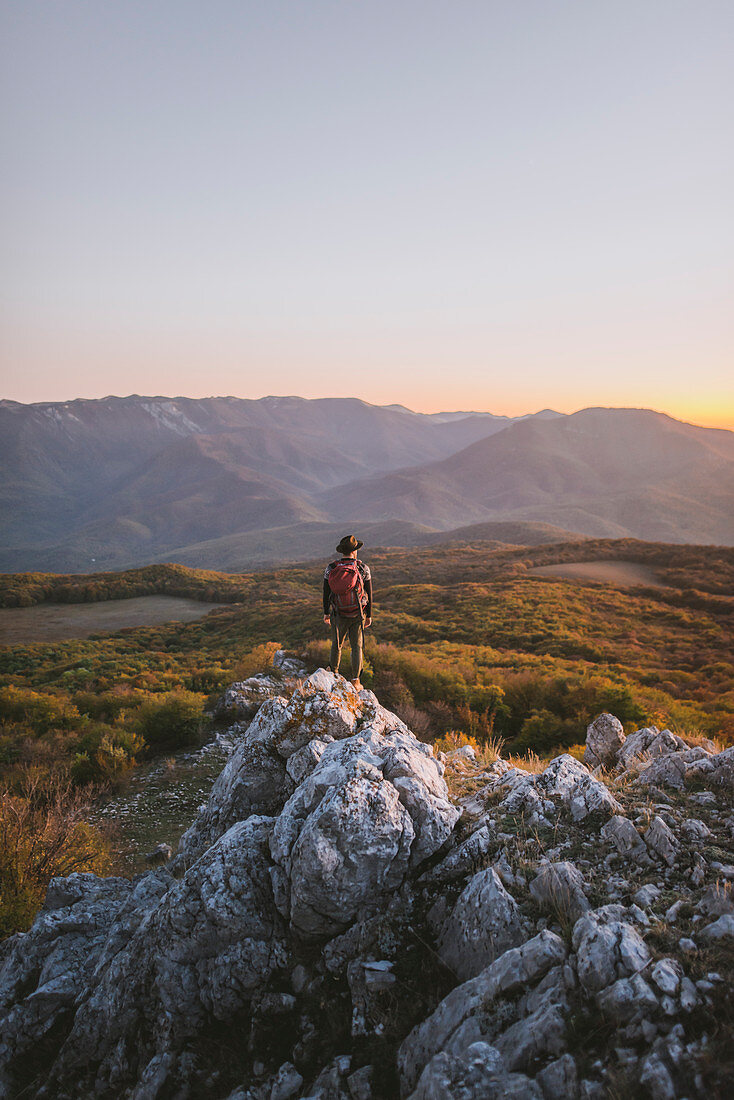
(368, 622)
(327, 620)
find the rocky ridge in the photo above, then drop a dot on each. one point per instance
(342, 923)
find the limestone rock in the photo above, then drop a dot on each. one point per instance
(627, 1000)
(484, 923)
(626, 839)
(346, 837)
(661, 842)
(647, 743)
(656, 1078)
(565, 778)
(607, 947)
(516, 969)
(477, 1073)
(559, 1079)
(537, 1036)
(717, 900)
(721, 929)
(604, 739)
(465, 857)
(676, 768)
(558, 888)
(209, 944)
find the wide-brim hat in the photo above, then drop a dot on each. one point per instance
(348, 544)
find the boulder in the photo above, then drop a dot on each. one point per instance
(675, 769)
(202, 952)
(516, 970)
(483, 924)
(626, 839)
(565, 778)
(559, 888)
(721, 929)
(345, 839)
(559, 1079)
(661, 841)
(607, 948)
(604, 739)
(647, 743)
(478, 1073)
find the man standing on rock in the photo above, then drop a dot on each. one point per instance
(348, 604)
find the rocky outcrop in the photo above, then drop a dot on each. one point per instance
(334, 927)
(604, 740)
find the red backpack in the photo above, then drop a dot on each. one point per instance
(347, 589)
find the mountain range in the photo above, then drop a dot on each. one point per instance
(231, 483)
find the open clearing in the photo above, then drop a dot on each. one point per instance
(622, 574)
(52, 622)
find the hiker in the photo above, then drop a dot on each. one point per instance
(348, 604)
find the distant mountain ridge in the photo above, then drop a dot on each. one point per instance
(100, 484)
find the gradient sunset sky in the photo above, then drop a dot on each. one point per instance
(452, 205)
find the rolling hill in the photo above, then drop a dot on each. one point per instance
(230, 483)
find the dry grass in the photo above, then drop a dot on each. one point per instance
(696, 738)
(528, 762)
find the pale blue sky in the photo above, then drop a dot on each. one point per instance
(449, 204)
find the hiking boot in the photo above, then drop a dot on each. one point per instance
(356, 685)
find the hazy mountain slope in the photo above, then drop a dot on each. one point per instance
(123, 481)
(600, 472)
(104, 477)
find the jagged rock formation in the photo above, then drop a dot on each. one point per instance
(335, 927)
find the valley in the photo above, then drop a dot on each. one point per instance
(54, 622)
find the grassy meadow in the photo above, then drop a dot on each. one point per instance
(466, 640)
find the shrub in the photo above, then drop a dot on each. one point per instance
(114, 755)
(43, 833)
(175, 718)
(259, 659)
(42, 712)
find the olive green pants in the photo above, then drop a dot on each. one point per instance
(340, 628)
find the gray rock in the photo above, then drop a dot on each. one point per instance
(559, 1079)
(647, 895)
(721, 929)
(465, 857)
(287, 1083)
(515, 970)
(360, 1084)
(604, 739)
(539, 1035)
(696, 830)
(648, 743)
(253, 781)
(661, 842)
(627, 1000)
(717, 900)
(578, 789)
(667, 975)
(622, 833)
(44, 971)
(484, 923)
(346, 837)
(565, 778)
(304, 760)
(656, 1078)
(675, 768)
(476, 1074)
(558, 887)
(607, 948)
(202, 952)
